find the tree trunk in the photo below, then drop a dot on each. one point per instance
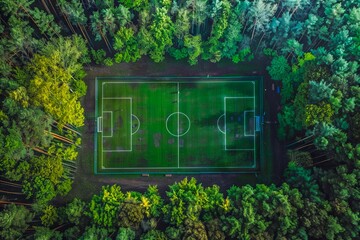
(304, 146)
(16, 203)
(46, 6)
(300, 140)
(12, 193)
(259, 43)
(10, 183)
(327, 160)
(253, 31)
(40, 151)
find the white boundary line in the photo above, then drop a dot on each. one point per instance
(145, 168)
(153, 82)
(111, 124)
(239, 149)
(248, 135)
(157, 82)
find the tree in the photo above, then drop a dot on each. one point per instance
(34, 124)
(154, 234)
(94, 232)
(75, 210)
(131, 214)
(75, 14)
(45, 22)
(50, 216)
(40, 189)
(259, 15)
(50, 89)
(137, 5)
(318, 113)
(300, 158)
(110, 198)
(46, 167)
(193, 46)
(279, 68)
(186, 201)
(125, 234)
(213, 45)
(161, 30)
(232, 36)
(198, 13)
(194, 230)
(340, 187)
(300, 178)
(126, 43)
(99, 29)
(14, 220)
(155, 202)
(45, 233)
(319, 91)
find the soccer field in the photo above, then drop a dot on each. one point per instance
(178, 125)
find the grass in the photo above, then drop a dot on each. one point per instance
(142, 130)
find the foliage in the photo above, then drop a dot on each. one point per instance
(125, 234)
(50, 216)
(50, 89)
(186, 201)
(126, 43)
(103, 208)
(313, 48)
(154, 235)
(318, 113)
(75, 210)
(300, 178)
(279, 68)
(14, 220)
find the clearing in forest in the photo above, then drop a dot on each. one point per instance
(178, 125)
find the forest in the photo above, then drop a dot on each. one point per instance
(313, 51)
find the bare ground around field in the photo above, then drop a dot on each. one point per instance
(86, 183)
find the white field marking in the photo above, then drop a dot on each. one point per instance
(237, 149)
(111, 123)
(217, 123)
(130, 130)
(245, 112)
(177, 135)
(117, 98)
(125, 150)
(208, 82)
(153, 82)
(239, 97)
(99, 124)
(138, 122)
(145, 168)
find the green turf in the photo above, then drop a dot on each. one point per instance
(177, 125)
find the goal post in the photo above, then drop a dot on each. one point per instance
(99, 124)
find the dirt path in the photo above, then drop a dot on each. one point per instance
(86, 183)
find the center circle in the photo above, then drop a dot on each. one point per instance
(178, 124)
